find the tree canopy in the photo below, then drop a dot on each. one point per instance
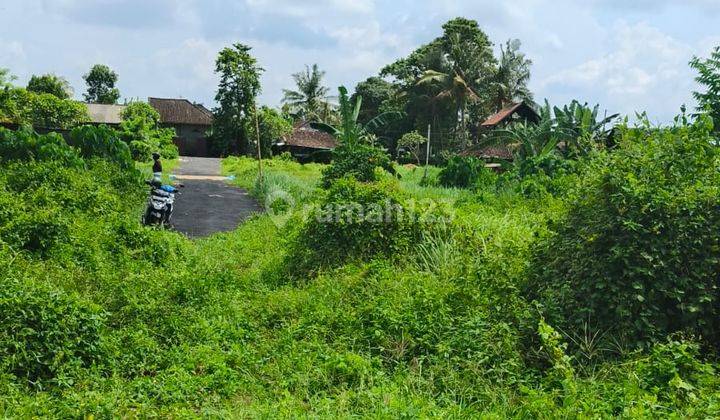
(101, 85)
(239, 86)
(310, 100)
(50, 83)
(708, 77)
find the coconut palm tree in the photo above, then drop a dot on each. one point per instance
(310, 101)
(511, 77)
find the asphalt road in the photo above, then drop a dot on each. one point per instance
(207, 204)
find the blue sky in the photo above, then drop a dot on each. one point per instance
(626, 55)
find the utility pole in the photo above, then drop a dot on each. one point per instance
(259, 153)
(427, 153)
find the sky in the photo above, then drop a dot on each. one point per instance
(626, 55)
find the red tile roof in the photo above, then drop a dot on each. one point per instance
(306, 136)
(521, 109)
(181, 111)
(496, 119)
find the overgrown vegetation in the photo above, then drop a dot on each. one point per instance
(580, 283)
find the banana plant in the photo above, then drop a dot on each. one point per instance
(350, 131)
(582, 130)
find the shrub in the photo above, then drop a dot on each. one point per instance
(45, 333)
(357, 160)
(639, 251)
(140, 124)
(359, 221)
(140, 151)
(26, 145)
(101, 142)
(465, 172)
(40, 109)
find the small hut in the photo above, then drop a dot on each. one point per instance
(307, 144)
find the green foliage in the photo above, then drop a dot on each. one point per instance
(6, 78)
(466, 172)
(45, 333)
(239, 86)
(50, 83)
(101, 85)
(103, 142)
(25, 145)
(510, 79)
(411, 142)
(637, 252)
(359, 161)
(141, 131)
(43, 110)
(272, 125)
(352, 158)
(310, 101)
(360, 220)
(445, 83)
(709, 77)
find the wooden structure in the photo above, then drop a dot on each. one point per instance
(191, 121)
(513, 113)
(307, 144)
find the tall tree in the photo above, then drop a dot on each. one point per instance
(238, 88)
(440, 79)
(101, 85)
(6, 78)
(50, 83)
(511, 77)
(709, 77)
(310, 101)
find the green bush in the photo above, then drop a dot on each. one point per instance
(141, 124)
(46, 333)
(465, 172)
(101, 142)
(639, 251)
(141, 151)
(356, 160)
(26, 145)
(361, 220)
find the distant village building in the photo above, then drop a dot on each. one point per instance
(190, 121)
(516, 112)
(105, 114)
(307, 144)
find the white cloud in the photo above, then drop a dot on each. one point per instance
(645, 70)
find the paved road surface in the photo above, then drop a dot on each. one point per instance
(208, 204)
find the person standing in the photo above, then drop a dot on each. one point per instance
(157, 166)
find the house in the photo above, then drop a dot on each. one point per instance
(307, 144)
(108, 114)
(514, 112)
(191, 121)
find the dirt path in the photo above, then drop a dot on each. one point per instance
(208, 204)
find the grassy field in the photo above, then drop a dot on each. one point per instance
(136, 322)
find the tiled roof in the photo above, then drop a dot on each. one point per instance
(181, 111)
(306, 136)
(496, 119)
(105, 113)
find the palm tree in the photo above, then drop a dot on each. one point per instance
(310, 100)
(349, 131)
(455, 88)
(511, 77)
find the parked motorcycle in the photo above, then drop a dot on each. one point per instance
(160, 203)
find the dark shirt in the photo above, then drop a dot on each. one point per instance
(157, 166)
